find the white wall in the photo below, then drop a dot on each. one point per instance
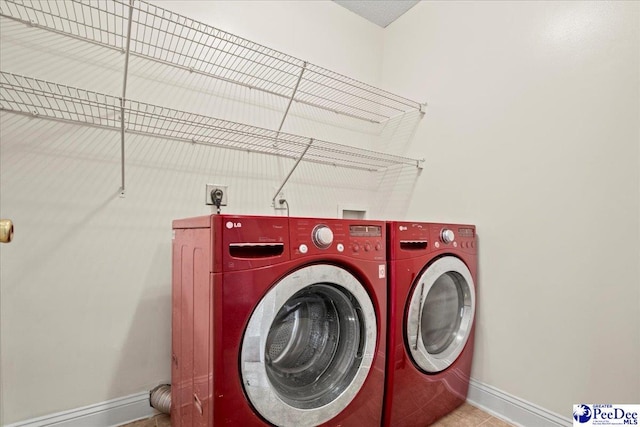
(85, 285)
(532, 133)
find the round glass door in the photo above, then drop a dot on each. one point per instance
(440, 314)
(308, 346)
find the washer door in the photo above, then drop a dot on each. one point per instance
(440, 314)
(308, 346)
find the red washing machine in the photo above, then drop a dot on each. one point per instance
(278, 321)
(432, 302)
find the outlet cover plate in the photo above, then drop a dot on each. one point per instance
(225, 194)
(276, 205)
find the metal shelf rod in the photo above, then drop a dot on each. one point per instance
(273, 200)
(295, 89)
(124, 96)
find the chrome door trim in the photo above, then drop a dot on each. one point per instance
(438, 362)
(252, 359)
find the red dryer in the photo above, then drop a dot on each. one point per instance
(278, 321)
(432, 303)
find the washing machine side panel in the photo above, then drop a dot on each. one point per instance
(202, 337)
(190, 337)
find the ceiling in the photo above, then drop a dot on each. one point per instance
(380, 12)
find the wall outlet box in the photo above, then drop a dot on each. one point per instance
(276, 203)
(211, 188)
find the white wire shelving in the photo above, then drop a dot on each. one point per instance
(167, 37)
(26, 95)
(136, 27)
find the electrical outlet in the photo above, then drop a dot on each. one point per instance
(276, 203)
(213, 187)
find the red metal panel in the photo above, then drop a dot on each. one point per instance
(176, 325)
(202, 336)
(190, 335)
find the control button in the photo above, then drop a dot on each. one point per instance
(455, 244)
(378, 246)
(447, 235)
(340, 247)
(367, 247)
(436, 244)
(355, 247)
(322, 236)
(303, 248)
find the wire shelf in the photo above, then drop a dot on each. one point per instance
(27, 95)
(167, 37)
(55, 101)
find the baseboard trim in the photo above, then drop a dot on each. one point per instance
(136, 406)
(106, 414)
(511, 408)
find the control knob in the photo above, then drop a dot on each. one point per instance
(322, 236)
(447, 235)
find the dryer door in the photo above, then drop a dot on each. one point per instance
(308, 346)
(440, 314)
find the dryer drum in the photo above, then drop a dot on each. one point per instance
(440, 314)
(313, 345)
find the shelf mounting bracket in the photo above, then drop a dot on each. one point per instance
(273, 200)
(293, 94)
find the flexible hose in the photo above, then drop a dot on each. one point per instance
(160, 398)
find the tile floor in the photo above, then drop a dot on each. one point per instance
(465, 416)
(161, 420)
(469, 416)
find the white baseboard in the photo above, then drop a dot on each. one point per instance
(106, 414)
(130, 408)
(511, 408)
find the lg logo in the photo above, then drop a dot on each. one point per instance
(403, 228)
(231, 224)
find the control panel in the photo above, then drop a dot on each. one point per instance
(453, 236)
(409, 239)
(358, 238)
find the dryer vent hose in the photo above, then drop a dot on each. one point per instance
(160, 398)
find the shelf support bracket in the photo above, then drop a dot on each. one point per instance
(295, 90)
(273, 200)
(124, 95)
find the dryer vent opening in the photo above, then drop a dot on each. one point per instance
(160, 398)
